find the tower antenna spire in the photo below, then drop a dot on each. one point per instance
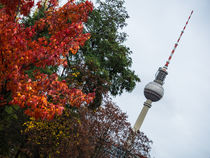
(177, 42)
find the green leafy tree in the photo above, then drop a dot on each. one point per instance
(105, 60)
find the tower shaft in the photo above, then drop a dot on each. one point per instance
(140, 119)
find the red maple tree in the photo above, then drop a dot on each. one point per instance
(43, 95)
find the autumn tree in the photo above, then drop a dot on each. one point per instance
(30, 82)
(83, 133)
(21, 51)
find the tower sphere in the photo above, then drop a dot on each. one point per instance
(153, 91)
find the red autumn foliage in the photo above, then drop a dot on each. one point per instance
(43, 95)
(14, 6)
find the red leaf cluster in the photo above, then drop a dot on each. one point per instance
(44, 95)
(14, 6)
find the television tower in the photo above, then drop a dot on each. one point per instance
(154, 91)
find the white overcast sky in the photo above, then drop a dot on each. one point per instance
(179, 124)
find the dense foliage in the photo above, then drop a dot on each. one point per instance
(104, 61)
(25, 54)
(84, 133)
(51, 69)
(30, 57)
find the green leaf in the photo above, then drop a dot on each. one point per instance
(9, 109)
